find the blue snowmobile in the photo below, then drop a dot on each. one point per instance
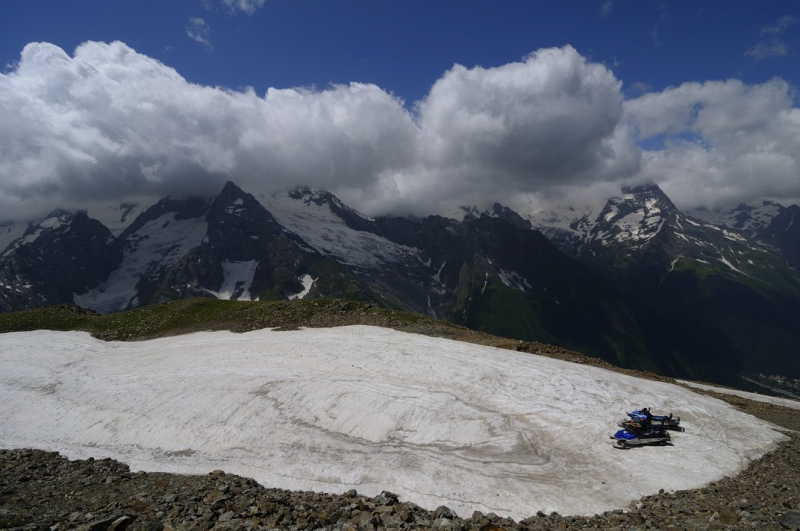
(637, 434)
(645, 418)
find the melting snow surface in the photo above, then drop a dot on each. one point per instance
(631, 222)
(611, 213)
(436, 421)
(560, 219)
(727, 263)
(237, 277)
(307, 283)
(52, 223)
(437, 277)
(733, 236)
(639, 225)
(512, 279)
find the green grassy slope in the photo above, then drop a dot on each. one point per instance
(205, 314)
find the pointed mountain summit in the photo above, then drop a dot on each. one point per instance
(20, 234)
(506, 214)
(239, 226)
(643, 234)
(624, 230)
(228, 247)
(750, 218)
(244, 255)
(713, 289)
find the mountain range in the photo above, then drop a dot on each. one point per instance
(637, 282)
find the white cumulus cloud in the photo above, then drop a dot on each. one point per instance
(107, 123)
(725, 142)
(551, 121)
(110, 122)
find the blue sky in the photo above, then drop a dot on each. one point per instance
(404, 46)
(701, 61)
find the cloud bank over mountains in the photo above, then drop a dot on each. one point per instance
(724, 142)
(110, 124)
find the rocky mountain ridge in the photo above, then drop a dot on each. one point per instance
(770, 224)
(721, 281)
(640, 284)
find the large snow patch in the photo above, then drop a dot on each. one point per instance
(237, 279)
(433, 420)
(785, 402)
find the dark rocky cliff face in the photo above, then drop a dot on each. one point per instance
(69, 258)
(247, 255)
(783, 234)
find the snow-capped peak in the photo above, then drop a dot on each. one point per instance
(334, 229)
(635, 216)
(750, 218)
(15, 235)
(308, 195)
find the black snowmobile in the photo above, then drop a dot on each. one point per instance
(668, 422)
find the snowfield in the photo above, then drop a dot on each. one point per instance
(436, 421)
(329, 234)
(785, 402)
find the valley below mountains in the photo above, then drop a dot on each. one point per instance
(638, 283)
